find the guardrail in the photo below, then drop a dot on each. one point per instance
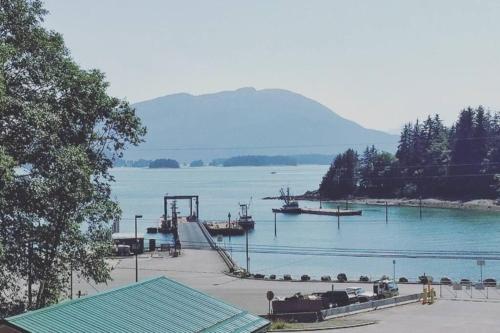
(369, 305)
(231, 265)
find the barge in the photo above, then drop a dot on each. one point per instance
(224, 228)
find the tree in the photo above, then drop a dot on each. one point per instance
(59, 134)
(342, 176)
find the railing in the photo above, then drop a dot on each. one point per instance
(370, 305)
(231, 265)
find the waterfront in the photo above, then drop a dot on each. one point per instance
(140, 191)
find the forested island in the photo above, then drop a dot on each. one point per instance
(164, 163)
(196, 164)
(432, 160)
(258, 160)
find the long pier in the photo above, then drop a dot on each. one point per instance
(319, 211)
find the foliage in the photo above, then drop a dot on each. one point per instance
(461, 162)
(258, 160)
(197, 163)
(164, 163)
(341, 179)
(59, 135)
(141, 163)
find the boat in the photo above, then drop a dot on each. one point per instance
(224, 228)
(245, 221)
(290, 206)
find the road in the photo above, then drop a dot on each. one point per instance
(202, 270)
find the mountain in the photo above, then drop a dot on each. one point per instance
(246, 122)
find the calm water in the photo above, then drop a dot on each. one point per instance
(140, 191)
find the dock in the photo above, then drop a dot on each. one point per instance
(319, 211)
(191, 235)
(224, 228)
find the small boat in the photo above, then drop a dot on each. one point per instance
(291, 206)
(245, 221)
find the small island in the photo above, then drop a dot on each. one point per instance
(164, 163)
(196, 164)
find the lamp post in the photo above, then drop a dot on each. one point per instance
(394, 269)
(136, 248)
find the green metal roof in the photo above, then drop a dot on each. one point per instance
(156, 305)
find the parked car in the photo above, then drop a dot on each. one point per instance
(465, 282)
(446, 281)
(361, 294)
(385, 288)
(490, 282)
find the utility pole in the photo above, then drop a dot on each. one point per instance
(248, 259)
(394, 269)
(71, 279)
(229, 222)
(136, 249)
(30, 260)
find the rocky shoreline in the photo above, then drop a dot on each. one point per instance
(476, 204)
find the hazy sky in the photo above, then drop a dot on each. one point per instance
(379, 63)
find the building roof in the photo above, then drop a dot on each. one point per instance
(156, 305)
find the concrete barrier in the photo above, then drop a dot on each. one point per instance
(370, 305)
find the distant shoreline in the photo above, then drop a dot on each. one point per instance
(490, 205)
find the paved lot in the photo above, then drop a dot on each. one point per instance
(201, 269)
(443, 316)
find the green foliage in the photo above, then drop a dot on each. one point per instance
(258, 160)
(461, 162)
(197, 163)
(59, 134)
(341, 179)
(164, 163)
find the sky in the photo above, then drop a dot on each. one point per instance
(380, 63)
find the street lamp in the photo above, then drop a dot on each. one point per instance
(136, 248)
(394, 269)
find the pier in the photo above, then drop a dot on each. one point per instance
(191, 235)
(319, 211)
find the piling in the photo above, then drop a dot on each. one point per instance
(420, 205)
(338, 217)
(386, 213)
(275, 225)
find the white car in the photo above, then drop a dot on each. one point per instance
(361, 294)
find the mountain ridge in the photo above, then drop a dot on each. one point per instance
(246, 121)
